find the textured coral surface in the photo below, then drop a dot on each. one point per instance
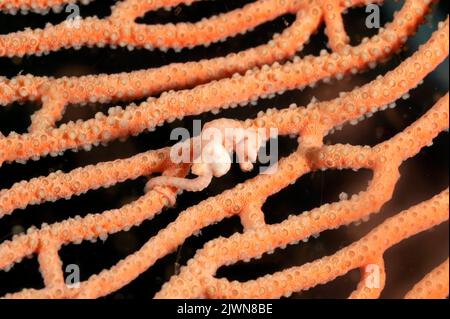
(314, 228)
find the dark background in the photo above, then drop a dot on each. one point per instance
(421, 177)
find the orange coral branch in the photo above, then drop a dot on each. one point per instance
(13, 6)
(64, 185)
(195, 280)
(287, 122)
(234, 202)
(134, 85)
(121, 30)
(432, 286)
(51, 264)
(303, 226)
(221, 94)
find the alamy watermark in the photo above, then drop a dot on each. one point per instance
(73, 21)
(373, 19)
(73, 278)
(373, 276)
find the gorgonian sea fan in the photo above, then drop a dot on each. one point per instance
(183, 89)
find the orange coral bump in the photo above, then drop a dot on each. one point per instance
(207, 85)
